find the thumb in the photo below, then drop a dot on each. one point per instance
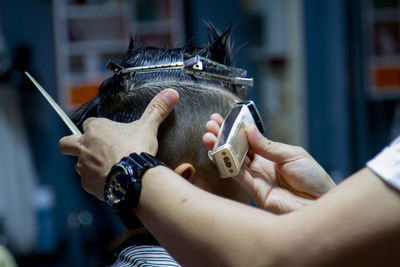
(70, 145)
(160, 107)
(277, 152)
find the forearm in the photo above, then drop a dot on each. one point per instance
(348, 226)
(202, 229)
(355, 224)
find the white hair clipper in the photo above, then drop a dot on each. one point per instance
(231, 147)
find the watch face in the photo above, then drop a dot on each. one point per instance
(117, 186)
(124, 182)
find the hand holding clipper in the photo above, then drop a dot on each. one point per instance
(232, 145)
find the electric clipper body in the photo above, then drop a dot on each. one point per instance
(231, 147)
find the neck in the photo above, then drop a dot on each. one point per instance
(227, 188)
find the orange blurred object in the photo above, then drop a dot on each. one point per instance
(83, 93)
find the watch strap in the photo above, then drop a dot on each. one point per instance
(129, 219)
(143, 162)
(135, 167)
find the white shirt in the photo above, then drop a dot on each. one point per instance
(387, 164)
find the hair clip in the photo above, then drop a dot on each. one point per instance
(204, 67)
(195, 66)
(117, 69)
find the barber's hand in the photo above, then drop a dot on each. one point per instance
(105, 142)
(279, 177)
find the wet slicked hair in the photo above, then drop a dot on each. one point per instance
(123, 98)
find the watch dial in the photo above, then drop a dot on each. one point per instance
(117, 187)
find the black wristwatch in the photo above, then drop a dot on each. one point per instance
(124, 184)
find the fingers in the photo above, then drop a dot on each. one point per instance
(274, 151)
(70, 145)
(160, 107)
(218, 118)
(212, 127)
(87, 122)
(209, 140)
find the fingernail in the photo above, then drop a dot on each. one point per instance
(168, 95)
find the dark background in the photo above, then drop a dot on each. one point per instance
(344, 125)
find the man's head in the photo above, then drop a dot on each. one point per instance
(123, 98)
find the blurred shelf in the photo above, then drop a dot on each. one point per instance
(94, 77)
(88, 35)
(95, 11)
(102, 46)
(152, 27)
(387, 14)
(383, 56)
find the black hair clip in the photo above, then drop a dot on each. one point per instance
(117, 69)
(204, 67)
(195, 66)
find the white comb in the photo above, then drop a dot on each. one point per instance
(55, 106)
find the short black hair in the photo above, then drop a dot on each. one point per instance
(124, 97)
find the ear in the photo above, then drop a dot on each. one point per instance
(186, 170)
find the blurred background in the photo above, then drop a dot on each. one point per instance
(327, 77)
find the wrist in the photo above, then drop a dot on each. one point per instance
(153, 172)
(124, 185)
